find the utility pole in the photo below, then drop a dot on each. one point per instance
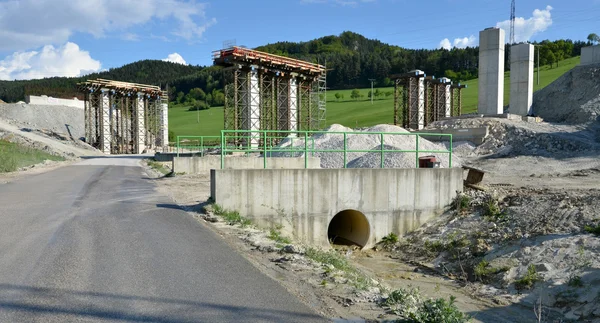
(538, 64)
(372, 94)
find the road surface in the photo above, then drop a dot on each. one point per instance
(96, 242)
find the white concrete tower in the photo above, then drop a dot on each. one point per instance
(140, 124)
(254, 107)
(293, 104)
(446, 97)
(491, 71)
(521, 79)
(106, 135)
(164, 125)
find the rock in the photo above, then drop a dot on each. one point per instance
(543, 267)
(290, 248)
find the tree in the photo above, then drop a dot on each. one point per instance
(389, 93)
(551, 58)
(355, 94)
(377, 93)
(180, 97)
(198, 105)
(197, 94)
(594, 38)
(209, 99)
(338, 96)
(370, 94)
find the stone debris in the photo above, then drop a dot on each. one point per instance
(574, 97)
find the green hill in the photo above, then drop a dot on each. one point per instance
(348, 112)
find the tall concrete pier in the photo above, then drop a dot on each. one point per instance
(491, 71)
(521, 79)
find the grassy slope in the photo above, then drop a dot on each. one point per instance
(349, 112)
(14, 156)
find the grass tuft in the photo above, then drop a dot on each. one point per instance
(529, 280)
(231, 217)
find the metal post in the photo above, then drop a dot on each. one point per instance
(382, 152)
(305, 149)
(177, 146)
(222, 149)
(450, 156)
(345, 156)
(417, 151)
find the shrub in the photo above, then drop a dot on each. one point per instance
(529, 280)
(390, 239)
(231, 217)
(439, 310)
(491, 210)
(198, 105)
(592, 229)
(483, 271)
(575, 281)
(404, 302)
(461, 203)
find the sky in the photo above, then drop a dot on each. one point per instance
(45, 38)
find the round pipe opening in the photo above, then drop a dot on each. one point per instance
(349, 228)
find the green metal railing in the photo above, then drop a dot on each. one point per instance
(269, 137)
(197, 143)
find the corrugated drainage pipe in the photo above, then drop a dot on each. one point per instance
(349, 227)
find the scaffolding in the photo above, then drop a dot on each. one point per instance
(420, 100)
(270, 92)
(125, 118)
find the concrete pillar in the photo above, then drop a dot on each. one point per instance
(421, 102)
(293, 100)
(446, 97)
(164, 125)
(254, 108)
(140, 121)
(491, 71)
(106, 134)
(590, 55)
(521, 79)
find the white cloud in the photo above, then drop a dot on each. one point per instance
(175, 58)
(525, 29)
(130, 37)
(445, 44)
(67, 60)
(26, 24)
(470, 41)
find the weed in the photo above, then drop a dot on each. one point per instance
(231, 217)
(404, 302)
(582, 261)
(575, 281)
(332, 258)
(530, 278)
(491, 210)
(434, 246)
(483, 271)
(389, 240)
(439, 310)
(158, 167)
(276, 236)
(592, 229)
(462, 203)
(409, 304)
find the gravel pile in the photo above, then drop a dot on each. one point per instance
(45, 117)
(573, 97)
(513, 138)
(369, 157)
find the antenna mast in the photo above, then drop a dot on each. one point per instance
(512, 22)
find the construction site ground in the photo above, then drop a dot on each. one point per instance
(547, 196)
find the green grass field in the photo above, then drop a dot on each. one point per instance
(348, 112)
(14, 156)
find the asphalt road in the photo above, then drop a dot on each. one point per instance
(96, 242)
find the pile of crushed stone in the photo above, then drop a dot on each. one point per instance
(513, 138)
(369, 146)
(573, 98)
(62, 120)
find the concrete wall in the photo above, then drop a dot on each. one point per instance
(48, 100)
(521, 79)
(304, 201)
(203, 165)
(590, 55)
(491, 71)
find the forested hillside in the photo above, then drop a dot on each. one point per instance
(351, 59)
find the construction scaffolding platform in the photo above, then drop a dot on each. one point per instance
(420, 100)
(125, 118)
(270, 92)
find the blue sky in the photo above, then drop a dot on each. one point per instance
(42, 38)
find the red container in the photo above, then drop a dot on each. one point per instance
(427, 162)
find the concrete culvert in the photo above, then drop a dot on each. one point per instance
(349, 227)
